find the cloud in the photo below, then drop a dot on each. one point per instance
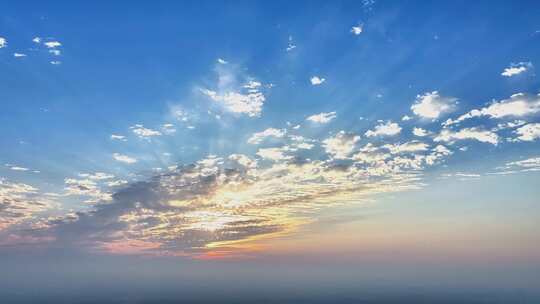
(412, 146)
(36, 40)
(258, 137)
(517, 68)
(518, 105)
(250, 103)
(3, 42)
(526, 165)
(118, 137)
(406, 118)
(420, 132)
(124, 158)
(530, 164)
(214, 203)
(528, 132)
(56, 62)
(290, 45)
(275, 154)
(97, 176)
(88, 186)
(143, 132)
(19, 55)
(322, 118)
(243, 160)
(315, 80)
(52, 44)
(478, 134)
(16, 168)
(432, 105)
(55, 52)
(20, 202)
(384, 129)
(168, 129)
(358, 29)
(221, 61)
(341, 145)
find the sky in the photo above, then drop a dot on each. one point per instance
(369, 150)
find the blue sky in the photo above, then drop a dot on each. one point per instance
(222, 129)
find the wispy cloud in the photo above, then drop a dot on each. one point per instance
(517, 68)
(384, 129)
(518, 105)
(322, 118)
(124, 158)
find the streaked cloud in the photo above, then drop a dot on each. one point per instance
(52, 44)
(20, 202)
(118, 137)
(124, 158)
(322, 118)
(474, 133)
(518, 105)
(144, 133)
(258, 137)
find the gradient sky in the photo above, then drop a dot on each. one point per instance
(379, 135)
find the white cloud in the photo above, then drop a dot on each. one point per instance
(406, 118)
(412, 146)
(117, 183)
(528, 132)
(124, 158)
(316, 80)
(221, 61)
(249, 103)
(3, 42)
(55, 52)
(143, 132)
(20, 202)
(485, 136)
(517, 105)
(97, 176)
(384, 129)
(56, 62)
(530, 163)
(17, 168)
(52, 44)
(322, 117)
(168, 128)
(420, 132)
(517, 68)
(275, 154)
(432, 105)
(36, 40)
(258, 137)
(290, 46)
(118, 137)
(243, 160)
(19, 55)
(341, 145)
(358, 29)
